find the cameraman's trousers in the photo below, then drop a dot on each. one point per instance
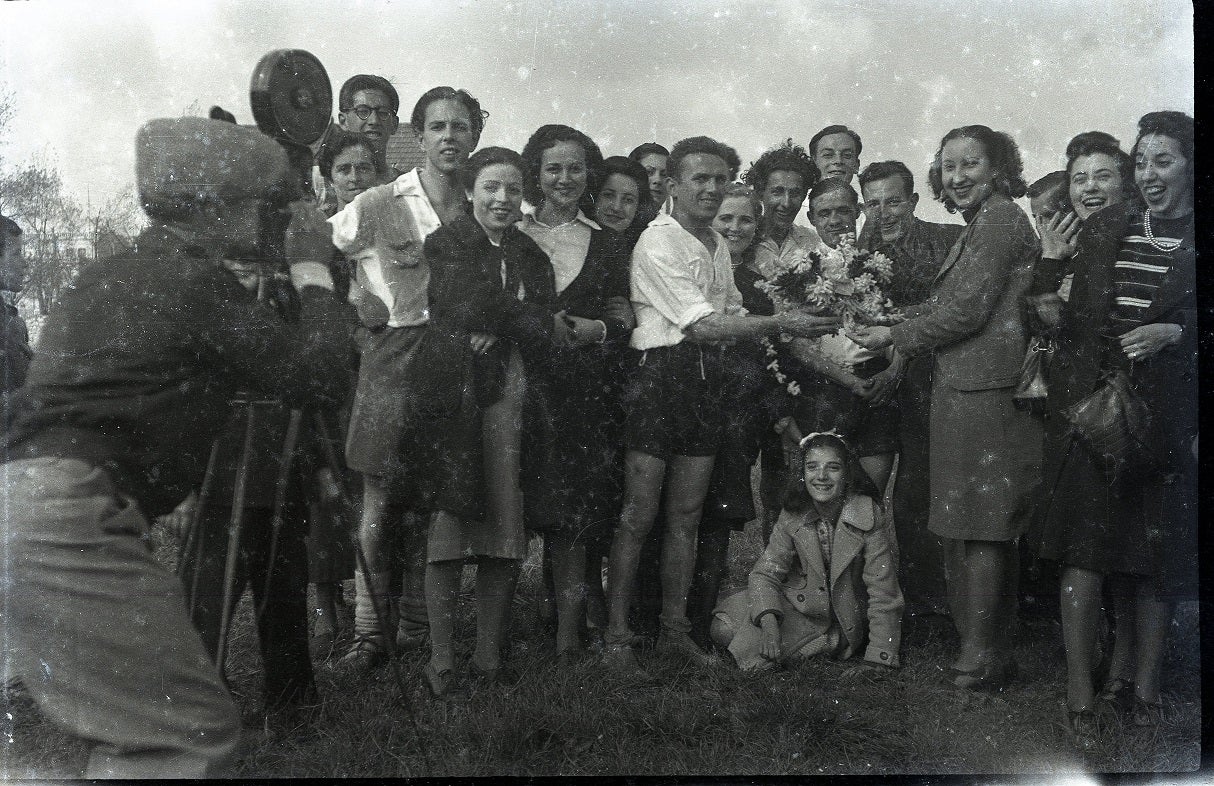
(96, 629)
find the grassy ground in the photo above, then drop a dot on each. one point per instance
(553, 720)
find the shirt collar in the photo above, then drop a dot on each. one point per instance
(529, 218)
(409, 184)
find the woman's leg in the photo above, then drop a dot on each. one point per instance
(442, 592)
(988, 582)
(495, 582)
(596, 600)
(1151, 629)
(570, 579)
(879, 468)
(1079, 599)
(496, 577)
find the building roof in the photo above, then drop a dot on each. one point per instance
(403, 152)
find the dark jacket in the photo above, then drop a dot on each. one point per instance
(973, 320)
(1168, 382)
(466, 296)
(15, 359)
(917, 256)
(138, 362)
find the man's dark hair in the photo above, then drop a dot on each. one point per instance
(828, 185)
(648, 149)
(881, 170)
(476, 115)
(1044, 185)
(785, 158)
(835, 129)
(345, 97)
(705, 145)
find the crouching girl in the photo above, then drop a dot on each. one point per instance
(827, 583)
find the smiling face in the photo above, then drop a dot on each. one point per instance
(889, 207)
(1095, 182)
(966, 171)
(381, 121)
(497, 196)
(833, 214)
(782, 198)
(1164, 176)
(697, 188)
(825, 475)
(736, 220)
(655, 167)
(353, 173)
(447, 135)
(836, 156)
(563, 174)
(616, 205)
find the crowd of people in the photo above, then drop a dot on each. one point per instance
(554, 342)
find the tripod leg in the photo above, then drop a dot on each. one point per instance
(280, 500)
(194, 538)
(234, 533)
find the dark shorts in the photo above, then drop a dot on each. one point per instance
(827, 406)
(673, 403)
(382, 422)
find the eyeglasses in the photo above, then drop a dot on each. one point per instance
(364, 112)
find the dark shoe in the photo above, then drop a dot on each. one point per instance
(1083, 730)
(1118, 693)
(365, 654)
(680, 645)
(993, 676)
(441, 684)
(1146, 714)
(410, 640)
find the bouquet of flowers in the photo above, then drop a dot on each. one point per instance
(844, 281)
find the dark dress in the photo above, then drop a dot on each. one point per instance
(451, 384)
(573, 457)
(1140, 522)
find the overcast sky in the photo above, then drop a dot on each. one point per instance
(85, 75)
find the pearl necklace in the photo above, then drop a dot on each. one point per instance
(1157, 244)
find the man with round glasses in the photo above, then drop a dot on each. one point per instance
(368, 104)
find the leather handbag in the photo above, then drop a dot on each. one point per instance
(1115, 424)
(1032, 388)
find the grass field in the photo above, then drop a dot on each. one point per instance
(578, 720)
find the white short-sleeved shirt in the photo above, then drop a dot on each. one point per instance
(382, 231)
(566, 245)
(676, 282)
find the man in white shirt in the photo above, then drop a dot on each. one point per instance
(686, 306)
(382, 232)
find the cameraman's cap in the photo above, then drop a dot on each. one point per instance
(184, 161)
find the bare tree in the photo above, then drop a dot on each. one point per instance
(55, 240)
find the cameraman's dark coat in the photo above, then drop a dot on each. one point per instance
(137, 363)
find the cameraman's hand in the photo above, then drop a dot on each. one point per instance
(482, 342)
(800, 323)
(308, 246)
(178, 522)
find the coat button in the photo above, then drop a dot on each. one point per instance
(800, 599)
(821, 589)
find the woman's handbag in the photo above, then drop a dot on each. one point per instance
(1032, 388)
(1115, 424)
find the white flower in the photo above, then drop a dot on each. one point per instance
(794, 388)
(865, 283)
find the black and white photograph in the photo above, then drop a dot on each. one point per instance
(518, 388)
